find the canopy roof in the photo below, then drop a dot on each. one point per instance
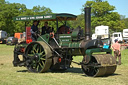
(47, 17)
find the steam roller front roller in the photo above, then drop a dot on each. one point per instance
(38, 55)
(99, 65)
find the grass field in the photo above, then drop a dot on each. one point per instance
(10, 75)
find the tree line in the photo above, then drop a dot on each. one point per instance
(101, 14)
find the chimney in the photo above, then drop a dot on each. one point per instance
(87, 17)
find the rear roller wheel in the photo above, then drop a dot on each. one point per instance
(39, 57)
(99, 65)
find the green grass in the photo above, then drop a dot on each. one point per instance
(10, 75)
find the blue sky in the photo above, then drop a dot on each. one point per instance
(71, 6)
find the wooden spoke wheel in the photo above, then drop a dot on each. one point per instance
(39, 57)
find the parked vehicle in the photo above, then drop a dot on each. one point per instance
(18, 35)
(3, 36)
(102, 31)
(118, 36)
(11, 41)
(121, 36)
(21, 37)
(125, 35)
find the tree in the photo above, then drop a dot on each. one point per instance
(102, 14)
(41, 10)
(125, 20)
(2, 1)
(98, 0)
(78, 22)
(10, 10)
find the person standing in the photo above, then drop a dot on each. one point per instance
(116, 48)
(34, 30)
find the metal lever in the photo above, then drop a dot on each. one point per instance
(56, 42)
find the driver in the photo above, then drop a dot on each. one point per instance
(34, 30)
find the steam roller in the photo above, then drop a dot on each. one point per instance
(55, 51)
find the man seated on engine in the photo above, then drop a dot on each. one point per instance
(46, 29)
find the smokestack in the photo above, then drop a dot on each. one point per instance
(87, 23)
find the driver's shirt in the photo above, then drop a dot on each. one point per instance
(46, 30)
(34, 28)
(33, 31)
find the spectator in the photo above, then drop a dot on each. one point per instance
(116, 48)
